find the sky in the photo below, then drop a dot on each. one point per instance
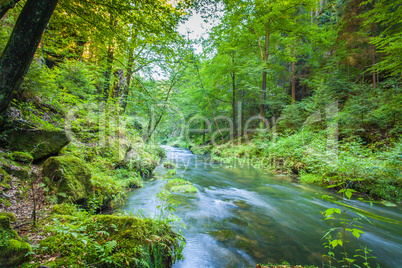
(194, 28)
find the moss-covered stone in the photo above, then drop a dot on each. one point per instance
(21, 172)
(39, 142)
(70, 176)
(183, 189)
(13, 168)
(169, 165)
(4, 176)
(13, 251)
(64, 209)
(140, 160)
(9, 215)
(5, 222)
(133, 240)
(201, 150)
(180, 186)
(22, 157)
(172, 172)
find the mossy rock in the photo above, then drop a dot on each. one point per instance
(5, 222)
(180, 186)
(22, 157)
(39, 142)
(169, 165)
(200, 150)
(14, 169)
(151, 242)
(21, 172)
(64, 209)
(13, 251)
(172, 172)
(9, 215)
(140, 160)
(4, 176)
(183, 189)
(70, 176)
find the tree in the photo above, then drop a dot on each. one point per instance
(388, 15)
(21, 47)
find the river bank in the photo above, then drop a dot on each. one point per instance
(374, 172)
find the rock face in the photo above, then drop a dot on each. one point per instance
(13, 251)
(68, 175)
(38, 142)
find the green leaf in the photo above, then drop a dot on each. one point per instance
(356, 233)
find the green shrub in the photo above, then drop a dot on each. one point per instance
(110, 241)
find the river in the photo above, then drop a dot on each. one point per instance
(242, 216)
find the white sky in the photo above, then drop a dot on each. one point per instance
(194, 28)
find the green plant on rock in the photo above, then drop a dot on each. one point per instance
(169, 165)
(13, 251)
(172, 172)
(180, 186)
(110, 241)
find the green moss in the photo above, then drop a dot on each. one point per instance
(8, 215)
(180, 186)
(21, 172)
(5, 222)
(39, 142)
(13, 168)
(70, 176)
(64, 209)
(22, 157)
(310, 178)
(14, 254)
(201, 150)
(169, 165)
(172, 172)
(183, 189)
(4, 176)
(111, 241)
(13, 251)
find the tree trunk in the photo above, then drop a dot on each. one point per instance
(374, 84)
(264, 73)
(234, 101)
(129, 72)
(233, 95)
(108, 72)
(293, 76)
(6, 5)
(110, 55)
(21, 47)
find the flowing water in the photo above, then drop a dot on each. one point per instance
(241, 216)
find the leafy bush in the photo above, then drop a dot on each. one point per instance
(109, 241)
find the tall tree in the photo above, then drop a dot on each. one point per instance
(21, 47)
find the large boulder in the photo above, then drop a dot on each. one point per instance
(13, 251)
(39, 143)
(69, 176)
